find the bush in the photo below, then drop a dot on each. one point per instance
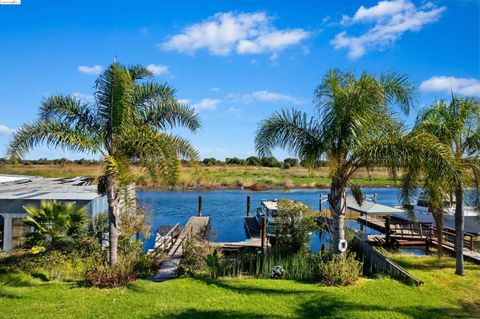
(339, 270)
(292, 162)
(102, 275)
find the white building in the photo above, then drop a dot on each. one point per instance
(17, 191)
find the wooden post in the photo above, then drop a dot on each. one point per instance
(387, 230)
(248, 206)
(471, 242)
(199, 206)
(264, 233)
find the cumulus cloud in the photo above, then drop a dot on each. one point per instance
(230, 32)
(157, 69)
(5, 130)
(262, 96)
(96, 69)
(390, 19)
(206, 104)
(447, 84)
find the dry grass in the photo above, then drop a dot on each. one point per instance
(214, 176)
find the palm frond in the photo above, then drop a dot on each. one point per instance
(292, 130)
(52, 133)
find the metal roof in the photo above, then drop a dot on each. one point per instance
(34, 187)
(270, 204)
(372, 208)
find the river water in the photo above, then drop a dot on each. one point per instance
(227, 208)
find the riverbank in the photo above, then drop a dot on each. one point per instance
(217, 177)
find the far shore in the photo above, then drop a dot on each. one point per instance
(204, 178)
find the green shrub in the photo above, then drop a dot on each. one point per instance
(339, 270)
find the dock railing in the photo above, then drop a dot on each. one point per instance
(449, 236)
(165, 242)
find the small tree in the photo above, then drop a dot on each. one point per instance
(293, 162)
(295, 222)
(253, 161)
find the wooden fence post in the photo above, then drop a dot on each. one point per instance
(199, 206)
(248, 205)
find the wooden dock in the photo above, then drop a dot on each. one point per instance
(194, 227)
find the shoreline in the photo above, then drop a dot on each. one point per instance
(252, 189)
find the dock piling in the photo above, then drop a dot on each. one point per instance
(248, 206)
(199, 206)
(264, 233)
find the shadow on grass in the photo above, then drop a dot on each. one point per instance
(330, 307)
(8, 295)
(211, 314)
(244, 289)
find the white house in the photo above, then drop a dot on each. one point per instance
(17, 191)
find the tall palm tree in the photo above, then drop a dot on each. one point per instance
(353, 127)
(457, 125)
(126, 125)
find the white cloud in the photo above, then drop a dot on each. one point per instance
(215, 89)
(262, 96)
(157, 69)
(96, 69)
(5, 130)
(206, 104)
(447, 84)
(391, 20)
(241, 33)
(85, 97)
(184, 101)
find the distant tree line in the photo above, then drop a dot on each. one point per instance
(210, 161)
(257, 161)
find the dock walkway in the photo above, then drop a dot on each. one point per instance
(194, 227)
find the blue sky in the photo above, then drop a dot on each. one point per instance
(236, 62)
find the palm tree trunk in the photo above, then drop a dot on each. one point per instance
(338, 208)
(438, 217)
(113, 208)
(459, 226)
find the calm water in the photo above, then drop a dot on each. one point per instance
(227, 208)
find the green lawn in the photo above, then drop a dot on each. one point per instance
(443, 295)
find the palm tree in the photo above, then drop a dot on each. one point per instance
(126, 125)
(53, 220)
(353, 127)
(457, 125)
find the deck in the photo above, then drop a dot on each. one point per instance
(194, 227)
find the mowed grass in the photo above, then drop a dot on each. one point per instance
(443, 295)
(215, 176)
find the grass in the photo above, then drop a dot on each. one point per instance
(443, 295)
(216, 176)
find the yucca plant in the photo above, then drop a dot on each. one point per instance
(126, 125)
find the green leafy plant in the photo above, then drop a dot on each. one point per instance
(53, 222)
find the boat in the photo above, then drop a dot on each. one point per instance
(269, 209)
(422, 205)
